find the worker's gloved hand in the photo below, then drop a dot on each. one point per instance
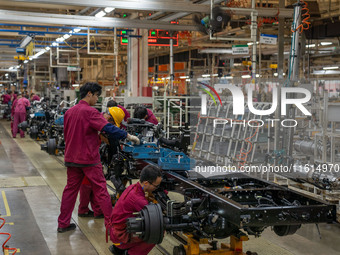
(133, 138)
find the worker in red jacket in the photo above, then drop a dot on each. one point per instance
(143, 113)
(34, 97)
(20, 115)
(86, 195)
(82, 124)
(113, 103)
(6, 98)
(133, 200)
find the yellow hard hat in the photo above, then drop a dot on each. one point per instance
(117, 115)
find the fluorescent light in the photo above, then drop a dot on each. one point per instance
(310, 45)
(257, 76)
(54, 44)
(66, 36)
(205, 75)
(227, 77)
(60, 39)
(100, 14)
(237, 64)
(48, 48)
(76, 30)
(187, 79)
(25, 41)
(330, 67)
(325, 72)
(26, 61)
(75, 85)
(247, 76)
(10, 68)
(326, 43)
(276, 74)
(18, 67)
(109, 9)
(184, 77)
(250, 43)
(215, 75)
(216, 50)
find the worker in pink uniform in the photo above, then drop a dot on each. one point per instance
(113, 103)
(6, 98)
(82, 124)
(143, 113)
(133, 200)
(20, 115)
(34, 97)
(14, 104)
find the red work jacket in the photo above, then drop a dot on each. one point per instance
(81, 126)
(132, 200)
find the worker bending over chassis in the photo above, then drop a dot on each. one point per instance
(81, 126)
(132, 200)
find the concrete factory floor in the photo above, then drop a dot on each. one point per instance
(32, 182)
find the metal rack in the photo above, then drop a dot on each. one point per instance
(226, 143)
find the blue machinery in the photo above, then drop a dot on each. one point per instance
(167, 159)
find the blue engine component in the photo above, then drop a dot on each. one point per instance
(59, 120)
(167, 159)
(39, 113)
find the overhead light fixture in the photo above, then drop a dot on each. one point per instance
(205, 75)
(227, 77)
(276, 74)
(326, 43)
(216, 50)
(10, 68)
(66, 36)
(184, 77)
(310, 45)
(54, 44)
(325, 72)
(100, 14)
(247, 76)
(75, 85)
(257, 76)
(25, 41)
(76, 30)
(237, 64)
(330, 68)
(18, 67)
(60, 39)
(48, 48)
(187, 79)
(109, 9)
(26, 61)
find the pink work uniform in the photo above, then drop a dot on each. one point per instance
(127, 114)
(19, 115)
(132, 200)
(35, 98)
(6, 98)
(81, 125)
(151, 117)
(86, 196)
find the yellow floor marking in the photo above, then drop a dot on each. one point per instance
(10, 223)
(18, 250)
(8, 211)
